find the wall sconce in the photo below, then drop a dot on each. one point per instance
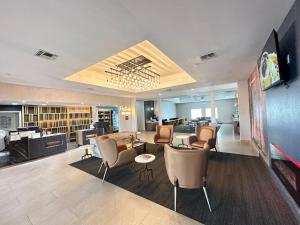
(125, 111)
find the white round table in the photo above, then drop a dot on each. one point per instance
(145, 159)
(88, 151)
(182, 137)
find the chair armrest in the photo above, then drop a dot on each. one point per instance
(212, 143)
(125, 157)
(192, 139)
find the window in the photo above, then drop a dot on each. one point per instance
(196, 113)
(208, 112)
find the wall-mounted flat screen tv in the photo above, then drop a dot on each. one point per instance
(269, 63)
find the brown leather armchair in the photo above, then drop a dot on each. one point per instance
(187, 169)
(112, 157)
(164, 134)
(204, 134)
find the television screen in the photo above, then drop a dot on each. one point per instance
(268, 64)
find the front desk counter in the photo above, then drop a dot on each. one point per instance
(31, 148)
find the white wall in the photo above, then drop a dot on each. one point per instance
(225, 109)
(167, 109)
(131, 123)
(244, 112)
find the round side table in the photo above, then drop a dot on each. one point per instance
(145, 159)
(182, 137)
(88, 151)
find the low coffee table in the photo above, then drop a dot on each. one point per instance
(145, 159)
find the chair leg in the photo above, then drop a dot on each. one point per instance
(100, 167)
(206, 196)
(104, 175)
(175, 198)
(216, 149)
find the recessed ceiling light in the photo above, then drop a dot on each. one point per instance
(159, 94)
(192, 89)
(44, 104)
(14, 103)
(23, 101)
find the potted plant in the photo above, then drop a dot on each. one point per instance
(131, 140)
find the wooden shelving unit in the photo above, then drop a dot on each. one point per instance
(30, 115)
(105, 116)
(58, 119)
(79, 118)
(53, 119)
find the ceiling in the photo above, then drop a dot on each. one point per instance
(170, 73)
(83, 33)
(202, 97)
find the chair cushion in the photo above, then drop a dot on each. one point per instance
(121, 148)
(164, 132)
(163, 140)
(206, 134)
(198, 144)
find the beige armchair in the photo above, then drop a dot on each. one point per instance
(204, 134)
(164, 134)
(187, 169)
(112, 157)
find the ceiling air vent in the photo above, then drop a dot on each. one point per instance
(46, 55)
(208, 56)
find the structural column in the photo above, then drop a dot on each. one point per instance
(133, 114)
(157, 110)
(244, 111)
(213, 105)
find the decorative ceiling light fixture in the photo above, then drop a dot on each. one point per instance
(133, 74)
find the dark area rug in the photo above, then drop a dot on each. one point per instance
(240, 188)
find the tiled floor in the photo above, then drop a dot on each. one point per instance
(227, 141)
(49, 191)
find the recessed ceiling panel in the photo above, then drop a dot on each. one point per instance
(170, 73)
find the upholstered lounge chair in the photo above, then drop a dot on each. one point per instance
(112, 157)
(187, 169)
(164, 134)
(204, 134)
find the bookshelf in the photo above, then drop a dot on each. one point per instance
(105, 115)
(79, 117)
(30, 115)
(58, 119)
(53, 119)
